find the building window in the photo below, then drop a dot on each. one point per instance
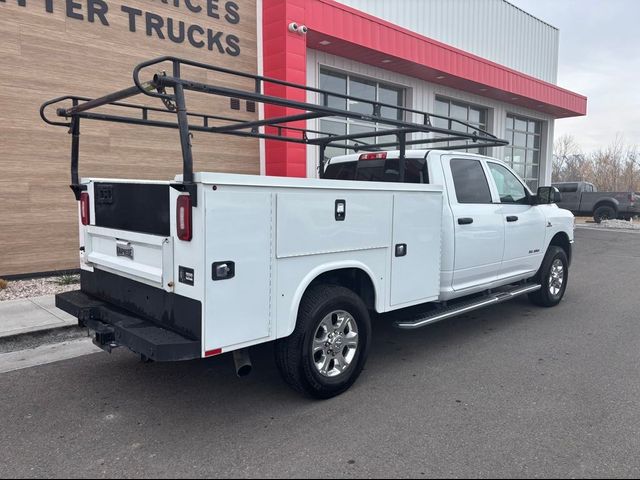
(471, 114)
(366, 89)
(523, 154)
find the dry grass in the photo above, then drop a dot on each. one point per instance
(65, 280)
(3, 284)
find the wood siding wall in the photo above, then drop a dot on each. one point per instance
(47, 54)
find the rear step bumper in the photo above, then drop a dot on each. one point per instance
(115, 327)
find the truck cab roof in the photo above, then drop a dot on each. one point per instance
(391, 154)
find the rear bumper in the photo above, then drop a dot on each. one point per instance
(115, 327)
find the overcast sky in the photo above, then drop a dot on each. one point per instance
(599, 58)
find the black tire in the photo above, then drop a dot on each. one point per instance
(604, 212)
(545, 297)
(293, 354)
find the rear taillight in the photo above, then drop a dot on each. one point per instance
(85, 211)
(183, 218)
(374, 156)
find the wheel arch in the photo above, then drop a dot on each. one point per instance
(355, 276)
(607, 202)
(561, 239)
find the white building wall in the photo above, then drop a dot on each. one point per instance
(421, 96)
(492, 29)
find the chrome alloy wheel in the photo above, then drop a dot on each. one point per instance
(335, 343)
(556, 277)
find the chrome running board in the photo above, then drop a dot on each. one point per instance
(444, 313)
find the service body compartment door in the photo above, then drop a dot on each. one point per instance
(308, 223)
(415, 265)
(238, 236)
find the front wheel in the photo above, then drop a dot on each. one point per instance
(553, 276)
(329, 346)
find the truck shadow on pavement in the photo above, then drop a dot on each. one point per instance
(211, 383)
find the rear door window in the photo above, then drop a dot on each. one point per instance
(470, 181)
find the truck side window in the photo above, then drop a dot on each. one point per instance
(470, 181)
(415, 171)
(509, 188)
(341, 171)
(567, 187)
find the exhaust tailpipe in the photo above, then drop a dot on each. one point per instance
(242, 361)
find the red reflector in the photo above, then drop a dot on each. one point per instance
(183, 218)
(213, 353)
(373, 156)
(85, 210)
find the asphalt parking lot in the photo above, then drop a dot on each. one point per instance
(511, 391)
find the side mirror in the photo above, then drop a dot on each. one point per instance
(547, 195)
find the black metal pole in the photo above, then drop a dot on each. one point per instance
(402, 140)
(185, 139)
(107, 99)
(75, 155)
(268, 122)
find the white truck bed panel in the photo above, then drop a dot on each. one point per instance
(282, 237)
(307, 184)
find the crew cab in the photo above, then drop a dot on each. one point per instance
(583, 198)
(209, 263)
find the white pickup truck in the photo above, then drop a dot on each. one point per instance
(213, 263)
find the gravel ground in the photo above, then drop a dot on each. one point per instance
(36, 288)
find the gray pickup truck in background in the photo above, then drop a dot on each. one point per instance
(583, 198)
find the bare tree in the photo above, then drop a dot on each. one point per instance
(612, 168)
(569, 164)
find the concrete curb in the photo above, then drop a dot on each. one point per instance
(45, 354)
(29, 315)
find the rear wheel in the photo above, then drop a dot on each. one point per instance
(553, 276)
(604, 212)
(329, 347)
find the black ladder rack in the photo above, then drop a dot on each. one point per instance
(170, 90)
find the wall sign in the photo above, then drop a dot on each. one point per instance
(155, 25)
